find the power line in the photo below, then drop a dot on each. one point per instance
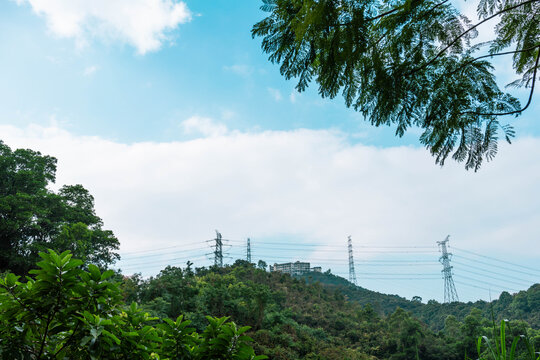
(382, 262)
(495, 266)
(153, 249)
(161, 254)
(400, 264)
(336, 246)
(172, 262)
(384, 278)
(497, 278)
(430, 262)
(481, 287)
(474, 286)
(340, 251)
(187, 257)
(397, 263)
(500, 260)
(487, 283)
(489, 271)
(399, 274)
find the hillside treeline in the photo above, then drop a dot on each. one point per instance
(524, 305)
(293, 319)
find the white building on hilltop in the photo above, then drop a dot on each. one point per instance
(294, 268)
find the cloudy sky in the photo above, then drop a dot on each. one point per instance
(172, 117)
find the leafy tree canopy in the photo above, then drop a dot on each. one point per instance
(410, 63)
(320, 316)
(34, 218)
(65, 312)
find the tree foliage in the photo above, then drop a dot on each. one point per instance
(524, 305)
(65, 309)
(65, 312)
(34, 218)
(308, 318)
(409, 63)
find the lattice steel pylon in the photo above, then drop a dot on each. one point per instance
(352, 274)
(248, 251)
(218, 251)
(450, 293)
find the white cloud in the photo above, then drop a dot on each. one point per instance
(227, 114)
(275, 93)
(240, 69)
(293, 97)
(309, 186)
(198, 125)
(144, 24)
(90, 70)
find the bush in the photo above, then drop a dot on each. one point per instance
(497, 349)
(66, 312)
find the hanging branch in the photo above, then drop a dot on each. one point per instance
(515, 111)
(432, 60)
(491, 55)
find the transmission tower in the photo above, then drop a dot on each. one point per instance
(218, 251)
(450, 293)
(352, 274)
(248, 255)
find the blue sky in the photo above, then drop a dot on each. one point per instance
(201, 132)
(210, 66)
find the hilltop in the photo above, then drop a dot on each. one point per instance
(316, 317)
(524, 305)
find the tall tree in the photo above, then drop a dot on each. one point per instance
(33, 218)
(410, 63)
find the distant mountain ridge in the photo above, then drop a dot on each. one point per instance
(524, 305)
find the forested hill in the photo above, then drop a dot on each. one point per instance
(524, 305)
(293, 319)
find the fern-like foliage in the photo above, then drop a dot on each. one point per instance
(407, 63)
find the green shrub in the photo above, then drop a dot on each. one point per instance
(63, 312)
(498, 349)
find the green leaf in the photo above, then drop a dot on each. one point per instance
(11, 279)
(112, 336)
(94, 272)
(72, 264)
(106, 274)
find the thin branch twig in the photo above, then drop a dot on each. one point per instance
(515, 111)
(439, 54)
(490, 55)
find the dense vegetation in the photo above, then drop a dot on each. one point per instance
(524, 305)
(34, 218)
(69, 310)
(292, 319)
(65, 312)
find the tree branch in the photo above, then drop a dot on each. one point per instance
(432, 60)
(436, 6)
(391, 12)
(68, 340)
(49, 319)
(515, 111)
(490, 55)
(385, 13)
(19, 301)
